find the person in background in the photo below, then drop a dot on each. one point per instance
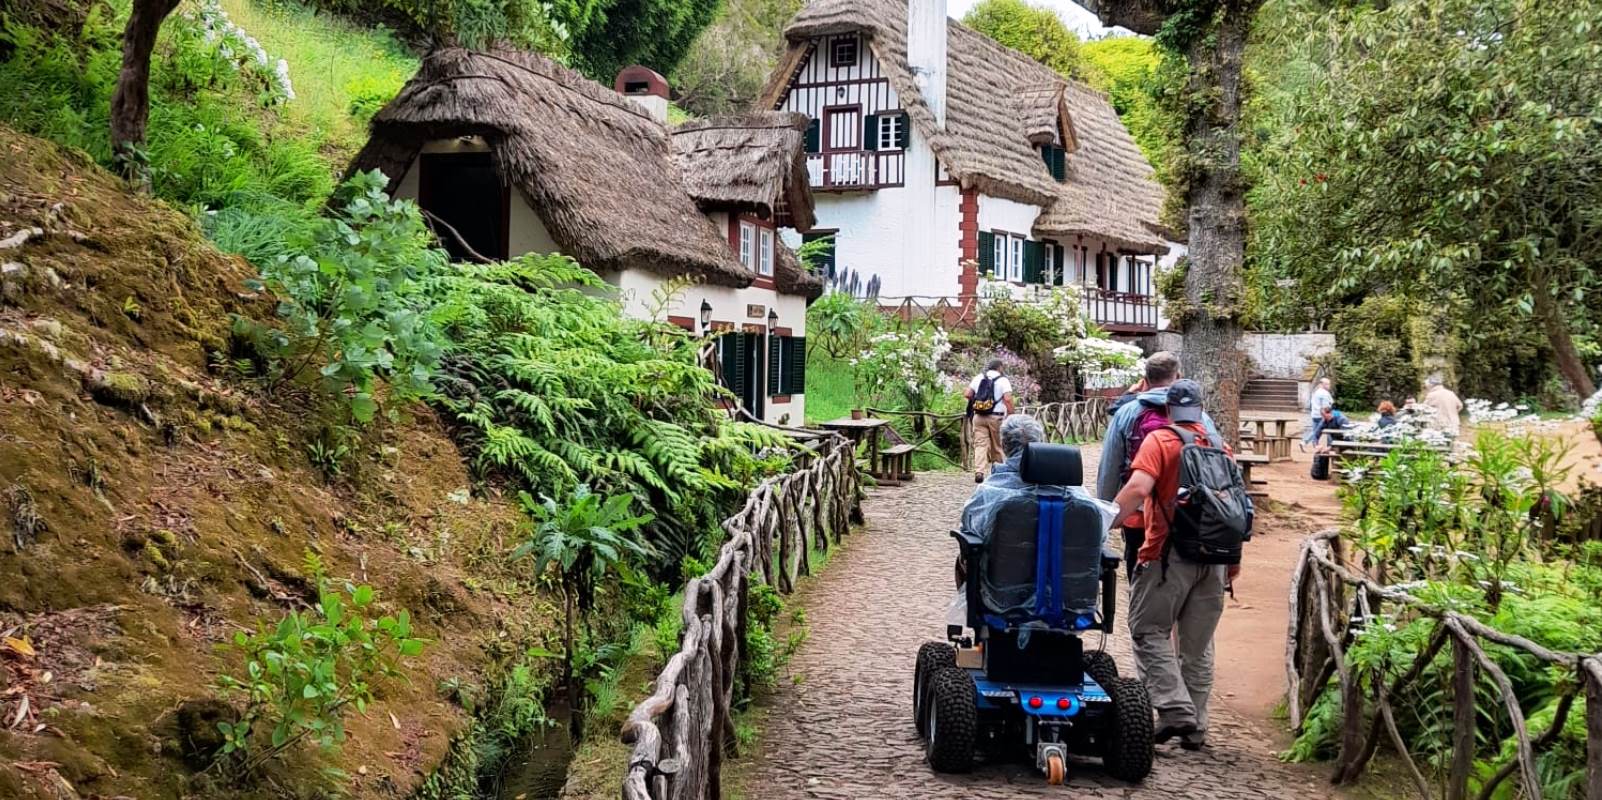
(1175, 605)
(1322, 399)
(1448, 408)
(989, 397)
(1387, 414)
(1128, 428)
(1330, 423)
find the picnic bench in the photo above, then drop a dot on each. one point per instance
(1246, 462)
(859, 429)
(1276, 445)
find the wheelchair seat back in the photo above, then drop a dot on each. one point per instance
(1042, 561)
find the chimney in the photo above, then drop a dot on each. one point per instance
(926, 52)
(646, 88)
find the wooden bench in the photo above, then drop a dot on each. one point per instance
(897, 460)
(1246, 462)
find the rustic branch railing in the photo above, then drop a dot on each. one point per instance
(1327, 596)
(1079, 421)
(681, 732)
(926, 425)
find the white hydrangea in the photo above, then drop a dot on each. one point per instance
(216, 28)
(1592, 407)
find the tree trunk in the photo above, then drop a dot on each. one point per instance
(575, 695)
(130, 103)
(1554, 321)
(1214, 290)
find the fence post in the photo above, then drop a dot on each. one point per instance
(1591, 673)
(1462, 718)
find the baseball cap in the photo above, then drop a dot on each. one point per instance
(1185, 401)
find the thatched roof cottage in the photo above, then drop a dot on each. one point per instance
(510, 153)
(930, 146)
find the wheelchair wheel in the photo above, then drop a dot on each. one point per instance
(1101, 668)
(1128, 752)
(931, 656)
(953, 720)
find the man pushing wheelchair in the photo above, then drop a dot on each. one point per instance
(1037, 579)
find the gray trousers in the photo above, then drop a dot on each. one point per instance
(1183, 610)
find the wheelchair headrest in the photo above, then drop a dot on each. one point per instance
(1051, 465)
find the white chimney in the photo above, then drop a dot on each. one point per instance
(926, 52)
(646, 88)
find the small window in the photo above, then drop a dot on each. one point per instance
(892, 130)
(765, 265)
(1048, 264)
(748, 245)
(1015, 262)
(1001, 256)
(844, 52)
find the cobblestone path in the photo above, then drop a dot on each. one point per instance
(845, 730)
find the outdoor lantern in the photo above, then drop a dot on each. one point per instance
(706, 315)
(773, 319)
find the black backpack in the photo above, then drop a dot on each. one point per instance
(983, 401)
(1212, 517)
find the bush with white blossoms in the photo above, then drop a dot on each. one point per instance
(241, 52)
(903, 368)
(1103, 363)
(1482, 412)
(1413, 424)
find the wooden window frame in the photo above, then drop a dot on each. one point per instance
(767, 242)
(854, 43)
(826, 134)
(748, 243)
(891, 124)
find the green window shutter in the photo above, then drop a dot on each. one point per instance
(796, 378)
(870, 132)
(987, 253)
(903, 134)
(1059, 163)
(734, 368)
(774, 361)
(731, 377)
(813, 136)
(1032, 262)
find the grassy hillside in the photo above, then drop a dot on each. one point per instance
(152, 508)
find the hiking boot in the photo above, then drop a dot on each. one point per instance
(1169, 732)
(1193, 743)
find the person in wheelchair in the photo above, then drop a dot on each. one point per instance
(1005, 490)
(1036, 575)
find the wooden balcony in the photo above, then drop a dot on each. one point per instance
(1121, 312)
(856, 170)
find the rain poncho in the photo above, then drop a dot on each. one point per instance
(1004, 513)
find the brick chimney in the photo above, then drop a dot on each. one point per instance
(926, 52)
(645, 87)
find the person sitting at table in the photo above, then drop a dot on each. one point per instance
(1387, 415)
(1330, 423)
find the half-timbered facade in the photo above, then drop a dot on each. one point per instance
(509, 153)
(938, 157)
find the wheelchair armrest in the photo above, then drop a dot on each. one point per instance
(970, 547)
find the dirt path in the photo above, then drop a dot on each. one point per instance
(844, 731)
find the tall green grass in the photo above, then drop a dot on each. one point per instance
(831, 387)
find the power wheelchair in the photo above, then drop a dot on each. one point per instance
(1016, 677)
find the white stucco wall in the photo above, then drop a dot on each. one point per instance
(728, 305)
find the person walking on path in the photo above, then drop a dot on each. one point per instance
(989, 397)
(1322, 399)
(1177, 601)
(1147, 411)
(1448, 407)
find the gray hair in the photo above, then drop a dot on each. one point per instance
(1017, 431)
(1433, 380)
(995, 365)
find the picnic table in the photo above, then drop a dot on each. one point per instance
(1276, 445)
(859, 429)
(1352, 450)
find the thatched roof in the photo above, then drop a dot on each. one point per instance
(1110, 191)
(597, 170)
(748, 162)
(998, 103)
(790, 276)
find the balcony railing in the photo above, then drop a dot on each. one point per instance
(856, 170)
(1121, 311)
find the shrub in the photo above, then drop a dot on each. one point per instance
(301, 675)
(351, 302)
(841, 324)
(903, 369)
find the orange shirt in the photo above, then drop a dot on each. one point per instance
(1159, 458)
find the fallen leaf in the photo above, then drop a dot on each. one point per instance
(35, 766)
(45, 676)
(361, 770)
(20, 646)
(394, 721)
(22, 711)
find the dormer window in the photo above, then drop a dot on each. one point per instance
(1056, 159)
(843, 52)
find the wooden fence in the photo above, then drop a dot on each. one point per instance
(1328, 596)
(1079, 421)
(682, 731)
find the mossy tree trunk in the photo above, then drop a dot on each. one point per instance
(1211, 36)
(130, 103)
